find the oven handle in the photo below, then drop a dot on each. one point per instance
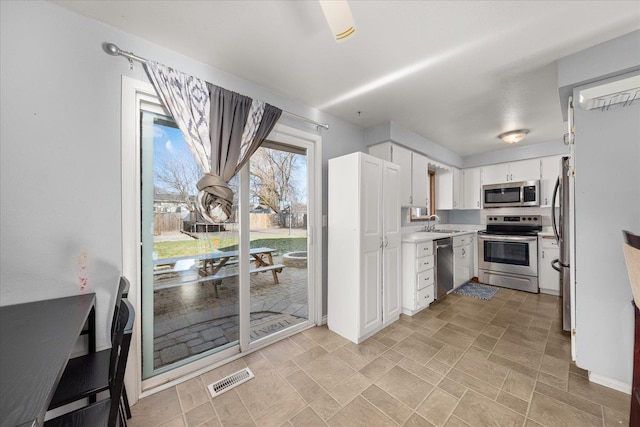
(510, 238)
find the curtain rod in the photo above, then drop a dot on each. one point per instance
(114, 50)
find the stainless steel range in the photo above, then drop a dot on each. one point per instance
(508, 252)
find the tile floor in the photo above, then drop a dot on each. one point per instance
(462, 362)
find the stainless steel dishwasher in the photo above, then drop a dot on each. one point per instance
(444, 266)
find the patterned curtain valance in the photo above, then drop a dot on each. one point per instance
(222, 129)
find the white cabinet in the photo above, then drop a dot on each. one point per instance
(414, 172)
(549, 170)
(523, 170)
(364, 252)
(548, 278)
(458, 189)
(418, 276)
(462, 259)
(472, 189)
(420, 187)
(449, 188)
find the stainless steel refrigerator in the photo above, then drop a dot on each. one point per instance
(561, 229)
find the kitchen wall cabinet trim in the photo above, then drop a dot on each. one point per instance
(364, 250)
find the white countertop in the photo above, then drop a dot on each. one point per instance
(416, 234)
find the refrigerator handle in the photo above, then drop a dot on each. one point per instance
(555, 264)
(553, 211)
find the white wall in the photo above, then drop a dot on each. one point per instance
(60, 143)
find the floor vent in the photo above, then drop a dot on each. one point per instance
(227, 383)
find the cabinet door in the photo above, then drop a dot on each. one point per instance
(444, 189)
(458, 266)
(420, 180)
(458, 189)
(402, 157)
(472, 188)
(524, 170)
(371, 199)
(549, 171)
(495, 174)
(392, 251)
(548, 278)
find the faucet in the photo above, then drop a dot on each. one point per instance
(429, 226)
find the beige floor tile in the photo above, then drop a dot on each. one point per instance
(550, 380)
(355, 361)
(478, 352)
(554, 366)
(404, 386)
(153, 410)
(286, 368)
(512, 402)
(558, 348)
(305, 385)
(485, 342)
(303, 341)
(201, 414)
(307, 418)
(453, 338)
(573, 369)
(525, 338)
(417, 421)
(415, 350)
(177, 421)
(438, 367)
(514, 366)
(613, 418)
(192, 393)
(231, 411)
(460, 329)
(392, 407)
(477, 410)
(345, 391)
(437, 407)
(494, 331)
(325, 406)
(309, 355)
(531, 423)
(377, 368)
(449, 355)
(468, 323)
(473, 383)
(326, 338)
(328, 370)
(393, 355)
(421, 371)
(517, 353)
(370, 349)
(453, 388)
(454, 421)
(263, 391)
(282, 411)
(427, 339)
(484, 370)
(605, 396)
(519, 385)
(360, 413)
(550, 412)
(282, 351)
(398, 332)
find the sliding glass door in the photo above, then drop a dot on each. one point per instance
(191, 272)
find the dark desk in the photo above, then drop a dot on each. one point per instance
(36, 340)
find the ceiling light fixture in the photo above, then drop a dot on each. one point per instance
(339, 17)
(513, 136)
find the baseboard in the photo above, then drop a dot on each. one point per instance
(610, 382)
(324, 320)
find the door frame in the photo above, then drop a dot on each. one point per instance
(134, 93)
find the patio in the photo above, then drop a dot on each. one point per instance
(189, 320)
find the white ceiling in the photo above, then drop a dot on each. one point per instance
(456, 72)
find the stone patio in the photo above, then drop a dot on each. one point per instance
(189, 320)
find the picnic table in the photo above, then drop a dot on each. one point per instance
(212, 267)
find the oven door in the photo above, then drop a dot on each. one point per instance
(508, 254)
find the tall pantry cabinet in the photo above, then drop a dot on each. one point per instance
(364, 245)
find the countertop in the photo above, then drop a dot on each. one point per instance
(416, 234)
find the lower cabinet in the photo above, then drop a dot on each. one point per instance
(463, 255)
(418, 276)
(548, 278)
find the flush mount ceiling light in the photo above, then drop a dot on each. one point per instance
(339, 17)
(513, 136)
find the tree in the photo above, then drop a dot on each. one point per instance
(272, 174)
(178, 175)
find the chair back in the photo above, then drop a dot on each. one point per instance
(631, 250)
(119, 356)
(123, 289)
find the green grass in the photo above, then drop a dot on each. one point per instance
(203, 246)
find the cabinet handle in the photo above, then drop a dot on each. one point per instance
(386, 241)
(463, 252)
(542, 254)
(478, 203)
(381, 242)
(545, 201)
(411, 199)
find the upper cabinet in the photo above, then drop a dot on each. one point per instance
(414, 172)
(472, 189)
(523, 170)
(449, 188)
(549, 171)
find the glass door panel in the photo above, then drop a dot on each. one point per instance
(190, 305)
(278, 201)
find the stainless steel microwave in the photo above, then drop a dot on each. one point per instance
(509, 194)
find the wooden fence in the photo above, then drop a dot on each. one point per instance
(165, 222)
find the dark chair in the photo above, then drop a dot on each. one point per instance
(631, 250)
(106, 413)
(87, 375)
